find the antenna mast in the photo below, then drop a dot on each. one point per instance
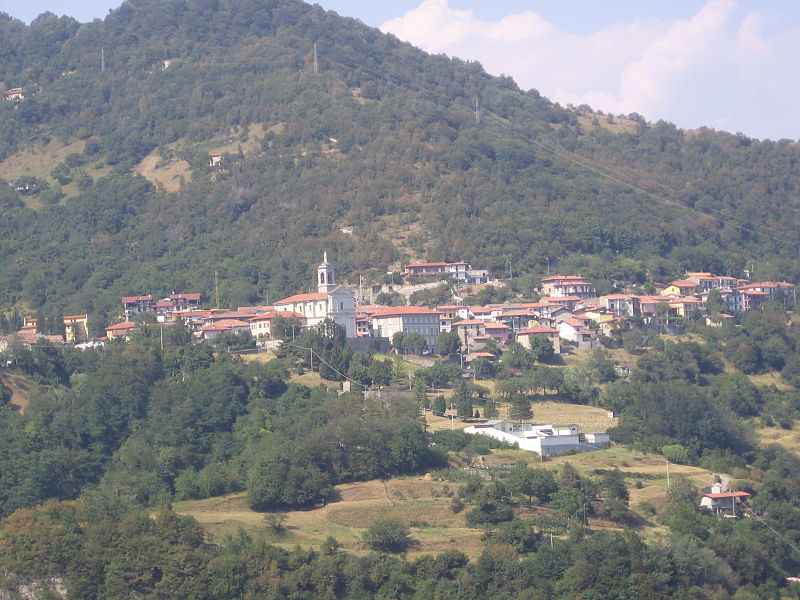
(216, 288)
(316, 63)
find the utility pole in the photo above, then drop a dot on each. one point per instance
(316, 63)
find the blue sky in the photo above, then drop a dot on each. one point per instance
(727, 64)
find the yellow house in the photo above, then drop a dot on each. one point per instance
(76, 327)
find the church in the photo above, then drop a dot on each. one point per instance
(330, 301)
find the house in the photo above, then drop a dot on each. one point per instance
(456, 270)
(15, 93)
(574, 330)
(568, 302)
(546, 440)
(134, 305)
(261, 325)
(76, 327)
(407, 319)
(209, 332)
(330, 301)
(622, 305)
(120, 330)
(683, 287)
(182, 302)
(468, 329)
(719, 320)
(723, 503)
(567, 285)
(755, 295)
(525, 337)
(475, 355)
(498, 331)
(517, 318)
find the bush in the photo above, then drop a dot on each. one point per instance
(489, 513)
(387, 535)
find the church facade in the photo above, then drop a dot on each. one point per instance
(329, 301)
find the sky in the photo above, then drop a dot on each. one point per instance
(728, 64)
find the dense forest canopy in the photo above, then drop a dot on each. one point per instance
(382, 140)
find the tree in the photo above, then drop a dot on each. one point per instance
(484, 368)
(387, 535)
(520, 409)
(675, 453)
(415, 341)
(439, 405)
(602, 366)
(399, 341)
(541, 348)
(419, 393)
(448, 343)
(464, 400)
(380, 372)
(517, 356)
(285, 328)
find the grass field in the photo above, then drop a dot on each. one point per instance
(20, 387)
(588, 418)
(412, 500)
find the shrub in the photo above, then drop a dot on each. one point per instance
(387, 535)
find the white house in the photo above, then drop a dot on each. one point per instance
(330, 301)
(391, 320)
(546, 440)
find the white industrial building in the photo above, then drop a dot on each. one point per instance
(546, 440)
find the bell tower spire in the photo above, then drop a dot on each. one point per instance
(326, 276)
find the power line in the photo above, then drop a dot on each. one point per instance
(326, 363)
(770, 527)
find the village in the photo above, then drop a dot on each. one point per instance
(568, 312)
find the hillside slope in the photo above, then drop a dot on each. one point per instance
(383, 138)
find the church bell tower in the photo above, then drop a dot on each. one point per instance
(326, 278)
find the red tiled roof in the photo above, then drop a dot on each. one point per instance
(727, 495)
(277, 313)
(480, 310)
(573, 322)
(121, 326)
(537, 329)
(496, 326)
(133, 299)
(685, 283)
(517, 313)
(563, 278)
(540, 304)
(468, 322)
(561, 299)
(225, 325)
(434, 264)
(401, 311)
(313, 297)
(75, 317)
(192, 296)
(766, 284)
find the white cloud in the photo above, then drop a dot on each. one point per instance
(716, 68)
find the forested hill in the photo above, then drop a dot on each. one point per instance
(372, 136)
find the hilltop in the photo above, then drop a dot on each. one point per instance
(174, 139)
